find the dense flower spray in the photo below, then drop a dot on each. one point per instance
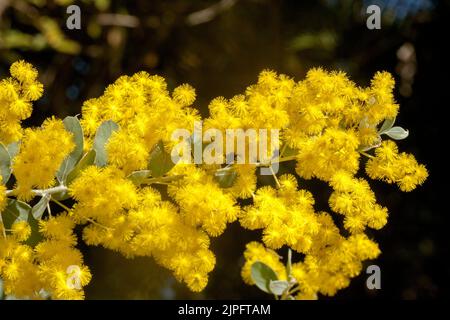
(114, 165)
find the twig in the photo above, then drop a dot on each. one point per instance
(62, 205)
(49, 210)
(275, 177)
(3, 227)
(88, 219)
(119, 20)
(163, 180)
(41, 192)
(3, 5)
(209, 13)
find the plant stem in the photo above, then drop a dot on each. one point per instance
(367, 155)
(275, 177)
(61, 205)
(3, 228)
(49, 210)
(163, 180)
(98, 224)
(41, 192)
(279, 160)
(294, 290)
(289, 263)
(88, 219)
(283, 149)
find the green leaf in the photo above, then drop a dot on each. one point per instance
(387, 124)
(39, 208)
(44, 294)
(225, 178)
(72, 125)
(61, 196)
(102, 136)
(278, 287)
(262, 274)
(160, 161)
(397, 133)
(138, 177)
(7, 154)
(288, 151)
(13, 149)
(86, 161)
(35, 236)
(1, 289)
(16, 211)
(5, 164)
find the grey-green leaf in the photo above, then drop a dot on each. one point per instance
(288, 151)
(35, 236)
(15, 210)
(278, 287)
(262, 274)
(397, 133)
(1, 289)
(62, 195)
(39, 208)
(102, 136)
(13, 149)
(5, 164)
(86, 161)
(387, 124)
(225, 178)
(138, 177)
(160, 161)
(72, 124)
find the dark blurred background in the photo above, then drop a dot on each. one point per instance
(219, 47)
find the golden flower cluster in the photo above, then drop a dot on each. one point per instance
(130, 197)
